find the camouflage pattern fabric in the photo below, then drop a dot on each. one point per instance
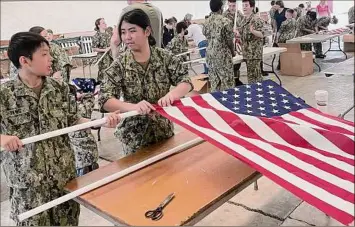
(287, 30)
(252, 46)
(219, 32)
(102, 41)
(298, 10)
(305, 22)
(351, 15)
(39, 171)
(177, 46)
(126, 77)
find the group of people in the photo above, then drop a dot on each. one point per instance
(133, 78)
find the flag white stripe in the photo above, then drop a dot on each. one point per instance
(323, 119)
(219, 124)
(313, 190)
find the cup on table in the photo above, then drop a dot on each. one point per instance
(321, 100)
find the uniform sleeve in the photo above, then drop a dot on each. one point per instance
(227, 31)
(95, 41)
(111, 85)
(178, 72)
(259, 25)
(56, 59)
(283, 27)
(72, 112)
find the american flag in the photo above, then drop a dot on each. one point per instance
(337, 31)
(309, 153)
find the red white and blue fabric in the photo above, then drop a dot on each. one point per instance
(309, 153)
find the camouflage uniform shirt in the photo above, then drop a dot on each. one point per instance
(177, 46)
(287, 30)
(102, 41)
(305, 22)
(128, 78)
(323, 21)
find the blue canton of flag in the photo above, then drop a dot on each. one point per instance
(266, 99)
(85, 85)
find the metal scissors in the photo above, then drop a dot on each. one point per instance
(157, 214)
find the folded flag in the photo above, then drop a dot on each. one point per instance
(307, 152)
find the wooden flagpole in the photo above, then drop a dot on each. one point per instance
(74, 128)
(108, 179)
(102, 56)
(190, 51)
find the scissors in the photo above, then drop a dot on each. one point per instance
(157, 214)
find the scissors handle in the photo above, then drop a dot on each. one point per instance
(155, 215)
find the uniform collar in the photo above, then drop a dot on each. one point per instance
(22, 89)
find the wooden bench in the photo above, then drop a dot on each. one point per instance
(202, 178)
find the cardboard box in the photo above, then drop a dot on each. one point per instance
(201, 83)
(295, 62)
(349, 45)
(348, 38)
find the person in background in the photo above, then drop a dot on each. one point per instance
(279, 15)
(322, 25)
(230, 14)
(168, 33)
(299, 11)
(251, 33)
(50, 35)
(220, 51)
(142, 76)
(288, 27)
(351, 15)
(322, 9)
(306, 25)
(194, 32)
(179, 43)
(34, 104)
(187, 19)
(101, 44)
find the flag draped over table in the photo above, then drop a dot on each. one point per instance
(309, 153)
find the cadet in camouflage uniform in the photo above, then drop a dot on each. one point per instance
(179, 43)
(351, 15)
(306, 25)
(298, 10)
(220, 50)
(251, 33)
(288, 28)
(141, 82)
(101, 44)
(230, 14)
(37, 173)
(322, 24)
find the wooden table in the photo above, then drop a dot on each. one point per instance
(202, 178)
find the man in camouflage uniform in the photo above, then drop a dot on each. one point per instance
(351, 15)
(251, 32)
(322, 25)
(230, 14)
(288, 28)
(299, 11)
(220, 51)
(306, 25)
(127, 78)
(179, 43)
(101, 40)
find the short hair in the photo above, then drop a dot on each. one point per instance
(290, 11)
(36, 29)
(280, 3)
(24, 44)
(169, 20)
(216, 5)
(180, 26)
(50, 31)
(301, 5)
(312, 15)
(272, 2)
(256, 10)
(251, 2)
(232, 1)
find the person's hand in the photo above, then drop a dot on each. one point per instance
(167, 100)
(143, 107)
(113, 119)
(10, 143)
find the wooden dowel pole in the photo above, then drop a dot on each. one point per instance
(190, 51)
(102, 56)
(108, 179)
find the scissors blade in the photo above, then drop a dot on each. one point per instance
(167, 200)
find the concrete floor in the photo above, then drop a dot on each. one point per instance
(269, 206)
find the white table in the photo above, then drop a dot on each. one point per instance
(238, 59)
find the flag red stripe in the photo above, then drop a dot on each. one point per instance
(352, 124)
(321, 124)
(337, 214)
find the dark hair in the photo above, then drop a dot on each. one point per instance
(174, 19)
(256, 10)
(216, 5)
(24, 44)
(50, 31)
(97, 23)
(301, 5)
(290, 11)
(36, 29)
(139, 18)
(232, 1)
(169, 20)
(273, 2)
(280, 3)
(181, 25)
(312, 15)
(251, 2)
